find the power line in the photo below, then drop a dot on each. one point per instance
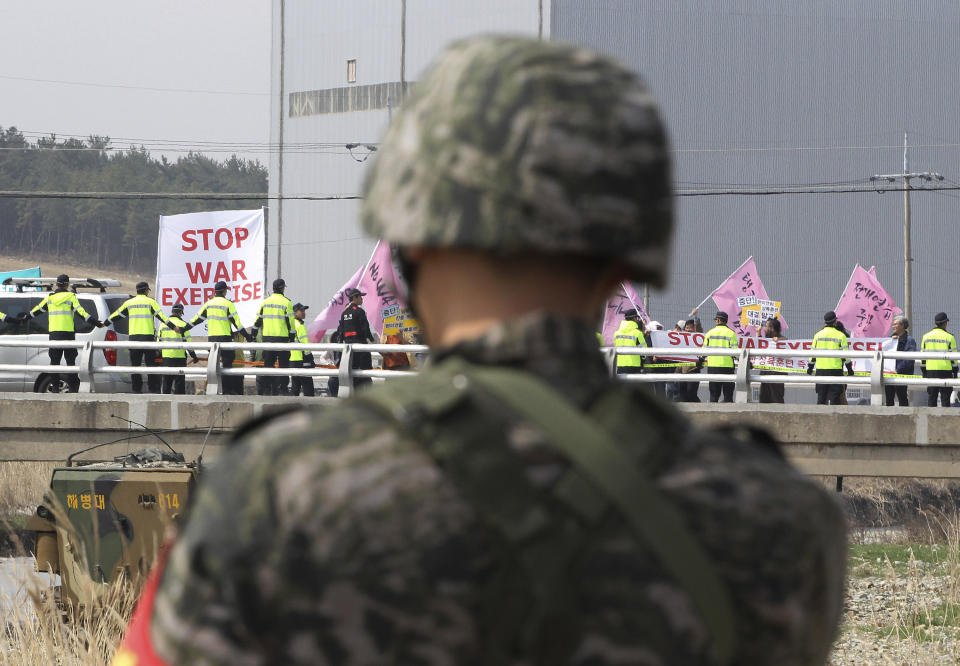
(126, 87)
(205, 196)
(804, 189)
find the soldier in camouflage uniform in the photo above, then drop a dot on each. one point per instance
(512, 504)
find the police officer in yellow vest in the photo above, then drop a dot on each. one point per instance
(830, 337)
(299, 358)
(721, 336)
(61, 307)
(221, 315)
(175, 358)
(275, 321)
(140, 312)
(7, 320)
(938, 339)
(630, 334)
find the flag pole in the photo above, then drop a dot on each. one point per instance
(367, 265)
(627, 294)
(722, 283)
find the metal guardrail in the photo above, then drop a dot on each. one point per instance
(743, 378)
(745, 375)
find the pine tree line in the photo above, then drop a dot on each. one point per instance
(106, 232)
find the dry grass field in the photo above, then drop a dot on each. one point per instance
(902, 602)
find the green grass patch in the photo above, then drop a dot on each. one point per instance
(877, 559)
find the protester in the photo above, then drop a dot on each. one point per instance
(689, 391)
(770, 392)
(903, 366)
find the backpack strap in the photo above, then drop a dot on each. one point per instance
(601, 474)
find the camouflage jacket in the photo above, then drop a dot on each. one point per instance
(332, 537)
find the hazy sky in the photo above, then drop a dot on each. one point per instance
(90, 62)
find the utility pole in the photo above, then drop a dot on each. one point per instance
(907, 249)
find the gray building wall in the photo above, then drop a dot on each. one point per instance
(755, 92)
(317, 245)
(783, 92)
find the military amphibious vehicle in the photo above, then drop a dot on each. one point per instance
(101, 519)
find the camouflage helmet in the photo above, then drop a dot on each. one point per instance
(514, 145)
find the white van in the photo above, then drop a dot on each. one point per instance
(28, 292)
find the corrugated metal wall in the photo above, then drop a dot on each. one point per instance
(759, 92)
(784, 92)
(322, 244)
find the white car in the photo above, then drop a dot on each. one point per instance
(97, 302)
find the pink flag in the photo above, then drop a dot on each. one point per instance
(865, 307)
(742, 283)
(625, 299)
(380, 282)
(329, 317)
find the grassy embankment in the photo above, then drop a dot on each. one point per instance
(906, 590)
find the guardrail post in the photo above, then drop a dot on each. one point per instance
(876, 380)
(610, 357)
(85, 367)
(742, 390)
(214, 376)
(346, 372)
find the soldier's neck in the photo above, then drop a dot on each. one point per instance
(462, 294)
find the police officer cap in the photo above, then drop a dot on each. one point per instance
(177, 308)
(220, 286)
(142, 286)
(722, 316)
(941, 318)
(627, 314)
(279, 284)
(63, 278)
(829, 317)
(355, 292)
(300, 306)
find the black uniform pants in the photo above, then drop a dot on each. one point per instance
(146, 357)
(687, 391)
(231, 385)
(271, 359)
(942, 391)
(898, 392)
(301, 384)
(174, 383)
(68, 354)
(829, 392)
(716, 388)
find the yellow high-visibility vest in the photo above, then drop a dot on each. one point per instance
(629, 335)
(166, 334)
(720, 336)
(302, 338)
(219, 312)
(938, 340)
(141, 310)
(829, 337)
(60, 307)
(275, 317)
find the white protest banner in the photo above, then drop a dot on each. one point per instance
(197, 250)
(683, 341)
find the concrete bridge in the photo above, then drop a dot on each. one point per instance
(841, 441)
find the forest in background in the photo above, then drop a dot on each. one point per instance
(106, 232)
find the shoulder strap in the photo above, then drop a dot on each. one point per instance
(654, 520)
(602, 466)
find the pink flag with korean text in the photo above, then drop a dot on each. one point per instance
(329, 317)
(624, 299)
(380, 283)
(865, 307)
(730, 296)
